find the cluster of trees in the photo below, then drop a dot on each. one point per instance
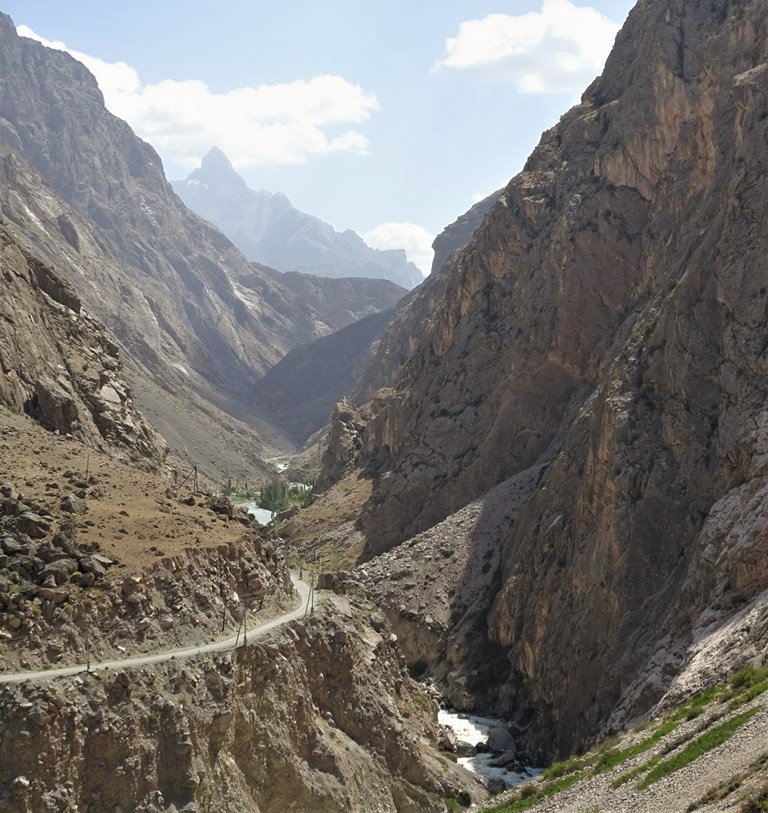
(275, 496)
(279, 495)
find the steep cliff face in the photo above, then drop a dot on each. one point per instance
(608, 318)
(457, 234)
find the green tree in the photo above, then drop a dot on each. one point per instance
(274, 496)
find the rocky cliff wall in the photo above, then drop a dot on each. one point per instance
(608, 316)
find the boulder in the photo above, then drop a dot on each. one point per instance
(91, 565)
(58, 408)
(499, 739)
(33, 525)
(61, 570)
(11, 546)
(83, 579)
(9, 491)
(447, 739)
(54, 594)
(72, 504)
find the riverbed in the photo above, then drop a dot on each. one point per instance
(472, 729)
(263, 517)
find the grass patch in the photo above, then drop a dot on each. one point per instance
(568, 766)
(706, 742)
(634, 773)
(743, 687)
(610, 759)
(457, 805)
(728, 786)
(750, 694)
(758, 803)
(532, 794)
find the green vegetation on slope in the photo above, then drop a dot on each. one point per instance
(706, 742)
(727, 787)
(743, 687)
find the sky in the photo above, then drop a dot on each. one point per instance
(389, 117)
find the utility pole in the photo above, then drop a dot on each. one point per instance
(223, 598)
(310, 610)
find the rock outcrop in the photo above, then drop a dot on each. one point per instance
(322, 718)
(60, 365)
(457, 234)
(608, 317)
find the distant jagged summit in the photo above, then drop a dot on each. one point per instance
(268, 229)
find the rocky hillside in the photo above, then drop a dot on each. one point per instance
(101, 560)
(198, 324)
(345, 300)
(301, 390)
(267, 228)
(60, 366)
(321, 718)
(606, 322)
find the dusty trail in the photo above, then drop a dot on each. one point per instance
(230, 642)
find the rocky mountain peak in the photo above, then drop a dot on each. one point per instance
(269, 229)
(216, 169)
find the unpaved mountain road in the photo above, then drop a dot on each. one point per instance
(231, 642)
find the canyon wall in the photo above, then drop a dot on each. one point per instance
(607, 322)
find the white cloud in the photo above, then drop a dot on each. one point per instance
(557, 50)
(270, 124)
(416, 241)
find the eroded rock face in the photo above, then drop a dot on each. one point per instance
(60, 365)
(323, 718)
(608, 315)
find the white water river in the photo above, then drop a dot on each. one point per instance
(263, 517)
(471, 729)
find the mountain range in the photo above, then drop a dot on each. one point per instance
(197, 322)
(267, 228)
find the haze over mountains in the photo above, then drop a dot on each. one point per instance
(268, 229)
(199, 324)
